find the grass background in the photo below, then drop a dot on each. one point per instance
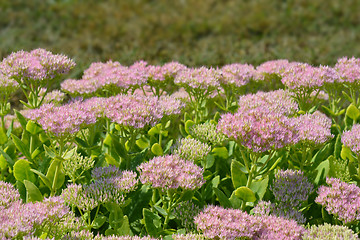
(193, 32)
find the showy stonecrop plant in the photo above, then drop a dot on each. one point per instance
(173, 180)
(34, 70)
(201, 84)
(259, 131)
(103, 199)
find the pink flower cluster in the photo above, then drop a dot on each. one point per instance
(258, 129)
(109, 76)
(236, 74)
(138, 111)
(272, 67)
(206, 79)
(351, 139)
(19, 220)
(216, 222)
(170, 171)
(279, 101)
(8, 194)
(62, 120)
(37, 65)
(340, 199)
(348, 69)
(314, 129)
(168, 70)
(7, 87)
(304, 76)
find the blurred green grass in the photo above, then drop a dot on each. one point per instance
(193, 32)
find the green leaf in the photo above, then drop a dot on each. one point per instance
(3, 136)
(110, 232)
(322, 172)
(235, 201)
(216, 116)
(98, 221)
(55, 174)
(107, 140)
(347, 154)
(347, 96)
(328, 111)
(151, 222)
(154, 130)
(70, 153)
(22, 120)
(246, 194)
(33, 127)
(33, 193)
(188, 125)
(222, 198)
(119, 148)
(352, 112)
(186, 196)
(157, 149)
(22, 171)
(168, 146)
(125, 230)
(160, 210)
(142, 143)
(22, 190)
(260, 187)
(81, 142)
(49, 152)
(238, 177)
(21, 146)
(209, 161)
(338, 147)
(43, 178)
(7, 157)
(36, 152)
(221, 152)
(321, 155)
(116, 217)
(111, 161)
(43, 137)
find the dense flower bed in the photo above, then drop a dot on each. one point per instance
(171, 152)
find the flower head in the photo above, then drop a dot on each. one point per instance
(340, 199)
(236, 74)
(171, 171)
(291, 187)
(304, 76)
(192, 150)
(205, 79)
(348, 69)
(279, 101)
(314, 129)
(328, 231)
(207, 133)
(351, 138)
(259, 130)
(38, 65)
